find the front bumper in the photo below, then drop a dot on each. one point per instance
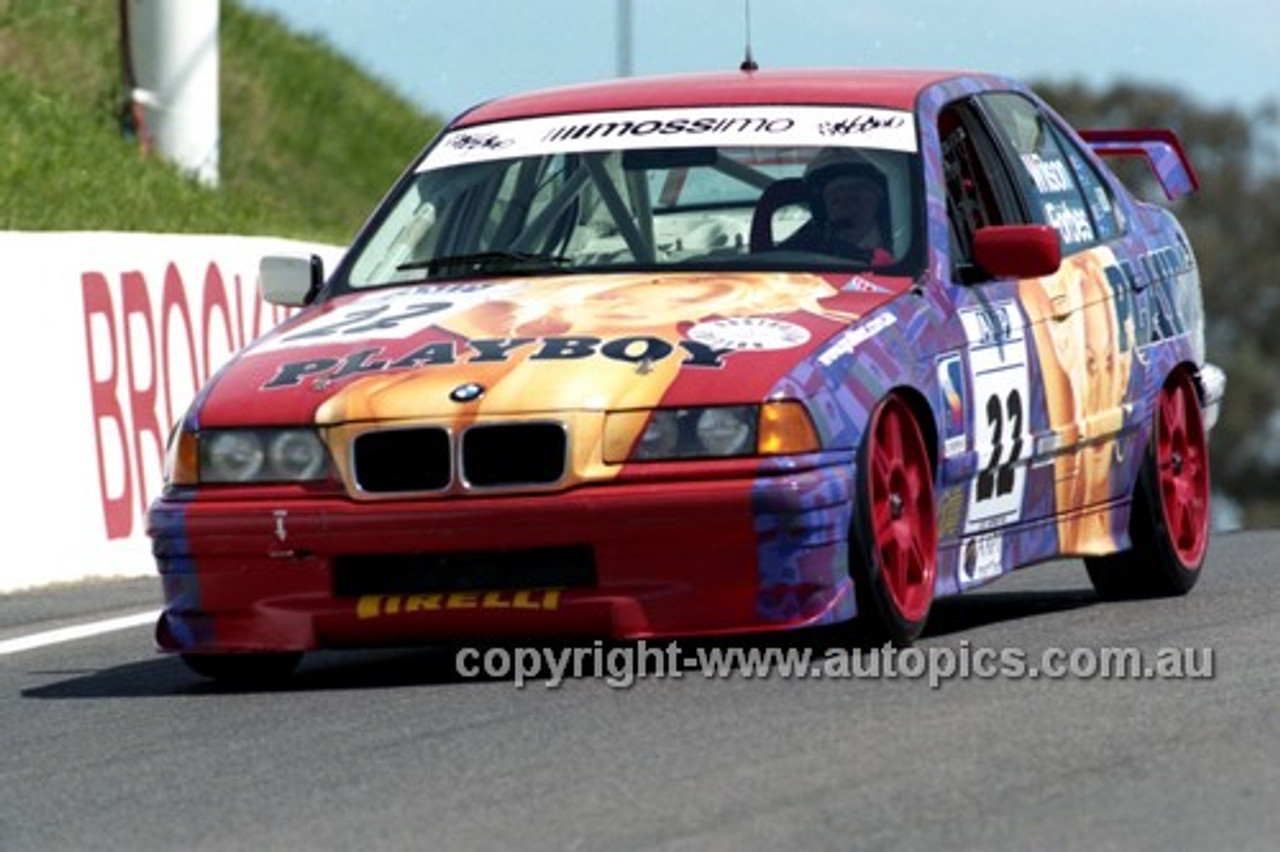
(668, 559)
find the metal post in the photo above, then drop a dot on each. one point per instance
(175, 61)
(624, 38)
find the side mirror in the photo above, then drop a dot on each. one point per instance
(290, 281)
(1017, 251)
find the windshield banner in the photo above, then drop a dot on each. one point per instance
(745, 126)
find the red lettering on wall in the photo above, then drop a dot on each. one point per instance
(117, 509)
(174, 302)
(143, 386)
(133, 390)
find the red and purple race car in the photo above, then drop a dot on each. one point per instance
(701, 355)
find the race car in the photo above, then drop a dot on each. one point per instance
(702, 355)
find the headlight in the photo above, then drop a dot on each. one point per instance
(231, 456)
(661, 438)
(726, 431)
(261, 455)
(712, 432)
(297, 455)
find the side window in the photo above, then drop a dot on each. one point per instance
(977, 194)
(1045, 174)
(1107, 218)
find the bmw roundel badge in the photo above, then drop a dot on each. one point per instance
(467, 393)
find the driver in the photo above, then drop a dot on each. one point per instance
(846, 204)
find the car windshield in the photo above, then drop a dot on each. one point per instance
(709, 189)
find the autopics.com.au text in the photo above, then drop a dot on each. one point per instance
(621, 666)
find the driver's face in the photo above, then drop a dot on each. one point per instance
(851, 201)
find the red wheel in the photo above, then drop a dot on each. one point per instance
(895, 552)
(1169, 519)
(1183, 464)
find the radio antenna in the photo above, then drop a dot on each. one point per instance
(748, 63)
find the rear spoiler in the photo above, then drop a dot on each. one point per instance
(1162, 150)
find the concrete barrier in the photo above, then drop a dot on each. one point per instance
(105, 339)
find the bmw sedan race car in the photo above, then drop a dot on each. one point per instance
(700, 355)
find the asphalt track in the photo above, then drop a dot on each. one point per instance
(109, 746)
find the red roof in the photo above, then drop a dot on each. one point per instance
(884, 88)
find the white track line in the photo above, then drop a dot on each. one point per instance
(79, 631)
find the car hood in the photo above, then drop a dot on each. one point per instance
(527, 345)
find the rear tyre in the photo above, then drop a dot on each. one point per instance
(1169, 520)
(257, 669)
(894, 552)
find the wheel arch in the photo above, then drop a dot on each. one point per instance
(1197, 379)
(1192, 370)
(923, 413)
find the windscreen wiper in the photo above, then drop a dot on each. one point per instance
(509, 261)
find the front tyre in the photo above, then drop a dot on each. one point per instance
(894, 552)
(256, 669)
(1169, 520)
